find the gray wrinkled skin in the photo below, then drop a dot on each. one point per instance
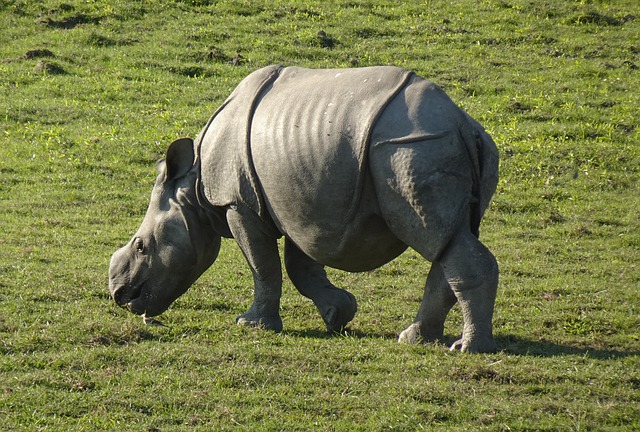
(351, 166)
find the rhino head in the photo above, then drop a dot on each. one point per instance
(174, 245)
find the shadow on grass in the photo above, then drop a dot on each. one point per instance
(526, 347)
(124, 337)
(356, 334)
(508, 344)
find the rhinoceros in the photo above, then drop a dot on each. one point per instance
(351, 166)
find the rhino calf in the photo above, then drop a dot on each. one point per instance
(351, 166)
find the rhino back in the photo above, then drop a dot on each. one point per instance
(309, 140)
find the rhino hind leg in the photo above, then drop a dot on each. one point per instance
(437, 301)
(336, 306)
(423, 193)
(467, 273)
(472, 273)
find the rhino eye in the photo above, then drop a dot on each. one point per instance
(139, 245)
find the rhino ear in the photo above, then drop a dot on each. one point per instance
(179, 159)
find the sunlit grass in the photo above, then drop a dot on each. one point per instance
(555, 85)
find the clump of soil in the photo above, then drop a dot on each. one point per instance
(48, 68)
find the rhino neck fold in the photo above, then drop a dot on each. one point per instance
(215, 215)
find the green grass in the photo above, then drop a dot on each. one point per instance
(91, 93)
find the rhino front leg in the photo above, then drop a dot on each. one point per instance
(438, 299)
(260, 249)
(337, 306)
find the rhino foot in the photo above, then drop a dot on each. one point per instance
(417, 333)
(411, 335)
(273, 323)
(340, 311)
(477, 345)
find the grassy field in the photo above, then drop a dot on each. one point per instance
(91, 94)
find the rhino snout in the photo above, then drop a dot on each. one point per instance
(124, 295)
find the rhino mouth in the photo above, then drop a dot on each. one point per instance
(126, 297)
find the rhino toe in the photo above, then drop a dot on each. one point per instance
(411, 335)
(273, 323)
(476, 346)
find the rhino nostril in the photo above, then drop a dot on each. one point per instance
(119, 296)
(124, 294)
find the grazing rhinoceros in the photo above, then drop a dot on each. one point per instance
(351, 166)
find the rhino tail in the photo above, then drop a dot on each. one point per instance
(485, 161)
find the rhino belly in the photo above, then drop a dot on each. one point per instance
(365, 244)
(362, 243)
(324, 211)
